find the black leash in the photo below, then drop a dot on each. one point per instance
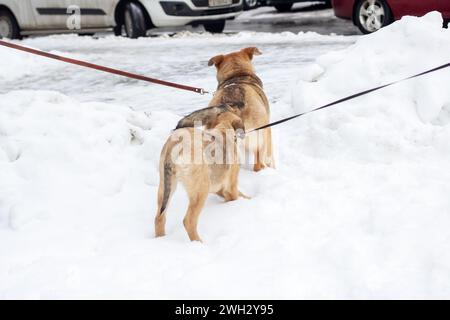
(353, 96)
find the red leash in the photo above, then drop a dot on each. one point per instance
(101, 68)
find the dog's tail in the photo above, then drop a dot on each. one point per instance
(167, 181)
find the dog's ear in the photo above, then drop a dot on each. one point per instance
(238, 126)
(217, 60)
(252, 51)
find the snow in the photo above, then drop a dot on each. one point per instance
(358, 206)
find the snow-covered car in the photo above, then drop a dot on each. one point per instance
(131, 17)
(371, 15)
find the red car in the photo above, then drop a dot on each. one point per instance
(371, 15)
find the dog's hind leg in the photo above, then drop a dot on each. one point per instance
(260, 150)
(197, 198)
(230, 191)
(259, 158)
(270, 162)
(264, 151)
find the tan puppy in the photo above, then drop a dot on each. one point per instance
(204, 162)
(239, 85)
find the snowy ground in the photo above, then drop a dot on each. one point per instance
(358, 206)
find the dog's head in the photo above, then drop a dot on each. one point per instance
(208, 117)
(222, 116)
(235, 63)
(229, 120)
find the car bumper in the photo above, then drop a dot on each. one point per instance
(274, 2)
(343, 8)
(181, 9)
(172, 13)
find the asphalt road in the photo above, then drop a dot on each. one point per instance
(304, 17)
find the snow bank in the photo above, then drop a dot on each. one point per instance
(410, 46)
(59, 157)
(69, 172)
(379, 164)
(415, 111)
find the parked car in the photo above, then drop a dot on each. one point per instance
(286, 5)
(133, 17)
(372, 15)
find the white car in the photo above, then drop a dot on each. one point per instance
(132, 17)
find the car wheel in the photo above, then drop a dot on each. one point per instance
(215, 27)
(283, 7)
(372, 15)
(8, 26)
(133, 21)
(250, 4)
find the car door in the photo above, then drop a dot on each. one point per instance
(50, 14)
(96, 13)
(412, 7)
(54, 14)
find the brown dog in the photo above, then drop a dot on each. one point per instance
(238, 85)
(187, 157)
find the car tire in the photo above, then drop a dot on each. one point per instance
(133, 21)
(250, 4)
(8, 26)
(284, 7)
(215, 27)
(370, 18)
